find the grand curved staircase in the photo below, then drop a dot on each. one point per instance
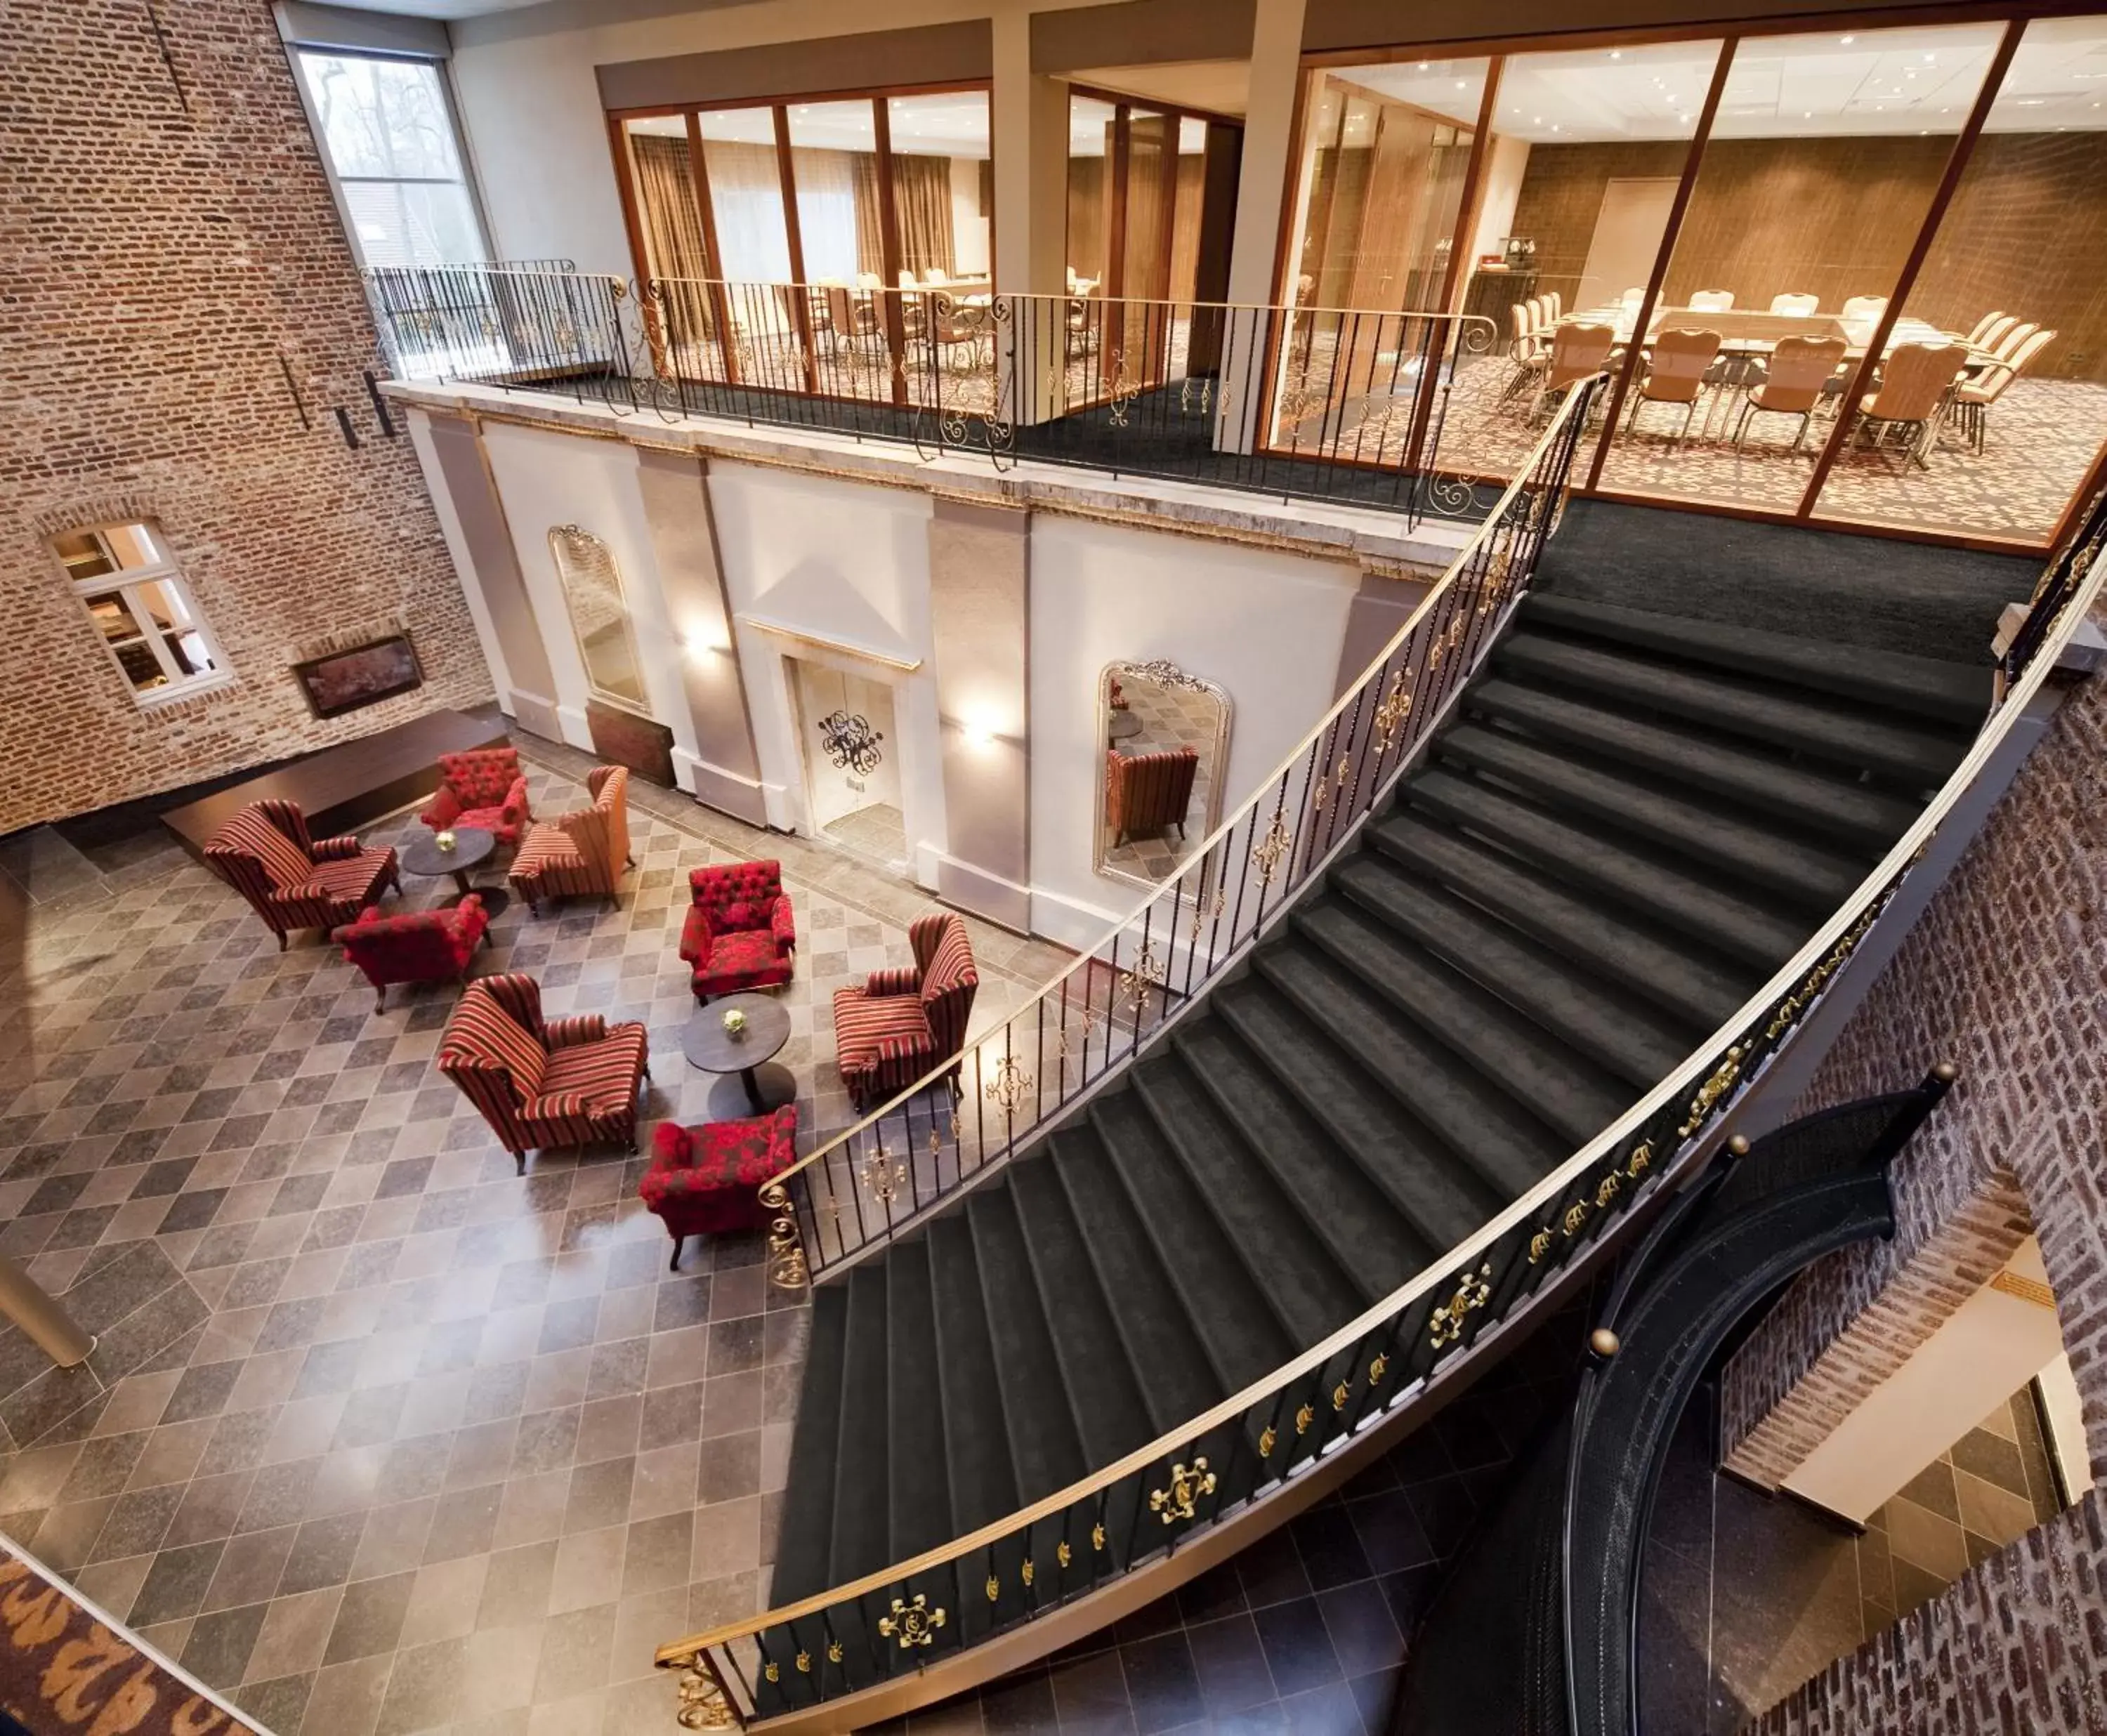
(1580, 870)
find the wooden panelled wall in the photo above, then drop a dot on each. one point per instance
(1836, 216)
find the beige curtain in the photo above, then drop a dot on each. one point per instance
(666, 200)
(869, 217)
(921, 194)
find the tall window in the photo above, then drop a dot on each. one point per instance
(124, 576)
(387, 128)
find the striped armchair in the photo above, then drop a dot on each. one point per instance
(292, 881)
(1147, 792)
(579, 853)
(542, 1083)
(904, 1020)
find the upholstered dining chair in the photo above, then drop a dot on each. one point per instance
(902, 1022)
(582, 853)
(542, 1082)
(1527, 348)
(1866, 307)
(1799, 367)
(292, 880)
(1793, 302)
(1972, 398)
(2008, 342)
(1983, 327)
(1913, 394)
(1676, 364)
(1711, 301)
(1554, 309)
(482, 787)
(1580, 350)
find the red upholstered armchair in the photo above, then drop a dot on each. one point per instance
(558, 1081)
(739, 933)
(705, 1180)
(292, 881)
(415, 946)
(484, 788)
(904, 1020)
(1147, 792)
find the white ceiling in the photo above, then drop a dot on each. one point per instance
(1217, 87)
(1872, 82)
(437, 8)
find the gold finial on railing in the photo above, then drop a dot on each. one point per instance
(913, 1622)
(1187, 1486)
(703, 1704)
(786, 1248)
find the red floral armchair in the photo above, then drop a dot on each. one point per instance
(416, 946)
(905, 1019)
(705, 1180)
(484, 788)
(292, 881)
(542, 1083)
(739, 933)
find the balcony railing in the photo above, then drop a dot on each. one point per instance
(1304, 403)
(1096, 1016)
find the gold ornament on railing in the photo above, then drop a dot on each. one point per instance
(1539, 1244)
(1272, 850)
(912, 1623)
(834, 1651)
(1377, 1369)
(787, 1268)
(1098, 1538)
(1120, 392)
(1144, 975)
(1205, 912)
(1061, 1553)
(1026, 1572)
(1305, 1415)
(994, 1588)
(703, 1704)
(1474, 1289)
(1010, 1087)
(1636, 1166)
(1340, 1394)
(1390, 715)
(1709, 1094)
(1187, 1486)
(1266, 1441)
(883, 1174)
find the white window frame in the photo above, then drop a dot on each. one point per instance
(294, 48)
(125, 582)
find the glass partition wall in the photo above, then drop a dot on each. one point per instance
(838, 246)
(1848, 274)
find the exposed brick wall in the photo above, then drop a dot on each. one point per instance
(159, 254)
(2006, 975)
(2018, 1646)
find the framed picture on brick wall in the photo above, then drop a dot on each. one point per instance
(362, 675)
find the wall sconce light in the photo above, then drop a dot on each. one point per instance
(700, 642)
(978, 731)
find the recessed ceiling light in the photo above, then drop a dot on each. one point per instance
(1461, 83)
(1847, 40)
(1616, 54)
(1422, 65)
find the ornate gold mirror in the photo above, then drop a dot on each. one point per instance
(1163, 744)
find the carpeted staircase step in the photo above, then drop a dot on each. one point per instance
(1514, 1055)
(1240, 1329)
(804, 1544)
(1377, 1241)
(1692, 986)
(1313, 1293)
(920, 1502)
(1111, 1417)
(1765, 934)
(1043, 1442)
(1855, 816)
(1312, 1003)
(1947, 693)
(1708, 833)
(1836, 731)
(983, 1483)
(1617, 1031)
(862, 1514)
(1158, 1336)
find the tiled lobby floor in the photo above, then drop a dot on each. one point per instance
(380, 1436)
(1745, 1596)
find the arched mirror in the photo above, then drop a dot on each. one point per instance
(1163, 745)
(600, 617)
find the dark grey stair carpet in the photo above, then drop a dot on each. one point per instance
(1624, 833)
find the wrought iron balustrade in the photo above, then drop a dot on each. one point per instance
(544, 328)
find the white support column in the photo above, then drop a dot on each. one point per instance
(1276, 68)
(1030, 142)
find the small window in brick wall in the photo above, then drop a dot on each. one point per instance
(129, 584)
